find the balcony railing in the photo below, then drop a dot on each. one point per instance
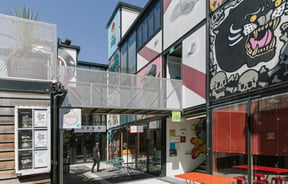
(124, 92)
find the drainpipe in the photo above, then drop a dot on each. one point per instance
(58, 94)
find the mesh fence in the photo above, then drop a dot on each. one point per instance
(90, 88)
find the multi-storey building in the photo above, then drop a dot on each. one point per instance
(167, 40)
(230, 56)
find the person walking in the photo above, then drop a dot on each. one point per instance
(96, 157)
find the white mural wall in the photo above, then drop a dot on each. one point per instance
(194, 68)
(180, 16)
(128, 17)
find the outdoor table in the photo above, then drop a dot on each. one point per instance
(264, 169)
(204, 178)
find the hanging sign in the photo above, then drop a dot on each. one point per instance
(176, 116)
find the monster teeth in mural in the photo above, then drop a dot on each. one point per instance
(182, 8)
(248, 40)
(262, 40)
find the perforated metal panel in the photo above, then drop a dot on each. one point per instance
(28, 48)
(111, 90)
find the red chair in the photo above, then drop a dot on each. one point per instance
(260, 179)
(240, 179)
(259, 176)
(278, 180)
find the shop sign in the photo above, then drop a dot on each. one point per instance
(133, 129)
(176, 116)
(136, 129)
(175, 139)
(153, 124)
(90, 128)
(71, 118)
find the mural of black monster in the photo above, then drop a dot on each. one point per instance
(248, 44)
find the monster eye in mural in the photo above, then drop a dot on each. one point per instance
(248, 33)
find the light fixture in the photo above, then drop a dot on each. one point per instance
(196, 117)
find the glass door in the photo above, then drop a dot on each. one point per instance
(154, 150)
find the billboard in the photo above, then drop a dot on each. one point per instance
(248, 41)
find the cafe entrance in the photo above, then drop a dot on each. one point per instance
(249, 138)
(78, 147)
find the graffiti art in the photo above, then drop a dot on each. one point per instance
(248, 46)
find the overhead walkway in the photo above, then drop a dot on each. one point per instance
(119, 93)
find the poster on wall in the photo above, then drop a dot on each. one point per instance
(249, 46)
(172, 150)
(40, 118)
(40, 158)
(40, 138)
(24, 118)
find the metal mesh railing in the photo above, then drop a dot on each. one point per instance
(100, 89)
(28, 49)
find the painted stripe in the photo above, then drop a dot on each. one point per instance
(148, 53)
(194, 80)
(166, 4)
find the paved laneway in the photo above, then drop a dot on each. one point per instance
(81, 173)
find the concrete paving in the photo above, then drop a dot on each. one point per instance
(81, 173)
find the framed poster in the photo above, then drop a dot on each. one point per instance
(40, 137)
(41, 158)
(40, 118)
(24, 118)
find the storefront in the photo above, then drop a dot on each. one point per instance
(139, 144)
(248, 88)
(251, 132)
(78, 143)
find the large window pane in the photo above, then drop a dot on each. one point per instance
(151, 24)
(124, 59)
(270, 133)
(157, 16)
(139, 36)
(229, 138)
(145, 30)
(132, 54)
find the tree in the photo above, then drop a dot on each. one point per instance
(24, 13)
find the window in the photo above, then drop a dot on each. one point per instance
(132, 54)
(124, 58)
(157, 16)
(139, 36)
(145, 30)
(151, 24)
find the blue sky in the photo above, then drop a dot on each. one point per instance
(84, 22)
